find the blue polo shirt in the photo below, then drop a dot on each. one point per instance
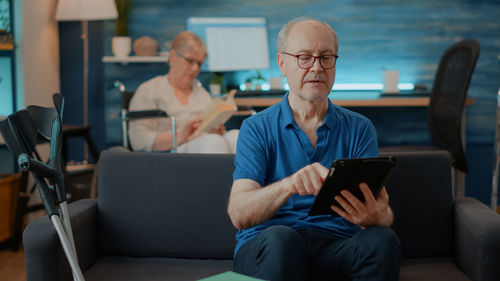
(271, 146)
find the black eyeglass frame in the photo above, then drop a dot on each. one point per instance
(189, 60)
(315, 58)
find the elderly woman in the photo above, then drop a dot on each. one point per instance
(180, 95)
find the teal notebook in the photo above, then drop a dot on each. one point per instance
(229, 276)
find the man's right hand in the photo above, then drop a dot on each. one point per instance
(307, 180)
(251, 204)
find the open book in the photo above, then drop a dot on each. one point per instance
(218, 113)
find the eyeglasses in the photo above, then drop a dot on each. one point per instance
(307, 61)
(190, 61)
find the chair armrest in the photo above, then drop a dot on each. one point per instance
(477, 239)
(143, 114)
(45, 258)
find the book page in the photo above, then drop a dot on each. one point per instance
(218, 113)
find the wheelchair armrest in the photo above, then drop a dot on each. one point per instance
(143, 114)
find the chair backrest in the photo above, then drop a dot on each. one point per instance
(126, 98)
(448, 99)
(127, 115)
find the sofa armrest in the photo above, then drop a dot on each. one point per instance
(45, 258)
(477, 239)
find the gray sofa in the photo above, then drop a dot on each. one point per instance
(163, 217)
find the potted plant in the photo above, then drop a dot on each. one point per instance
(255, 82)
(122, 43)
(216, 84)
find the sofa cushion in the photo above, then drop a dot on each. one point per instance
(149, 205)
(420, 194)
(126, 268)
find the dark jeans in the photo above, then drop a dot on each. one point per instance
(282, 253)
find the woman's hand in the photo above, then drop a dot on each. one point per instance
(186, 133)
(221, 130)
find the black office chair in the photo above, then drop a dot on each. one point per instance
(447, 102)
(127, 116)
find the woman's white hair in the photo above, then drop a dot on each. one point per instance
(186, 42)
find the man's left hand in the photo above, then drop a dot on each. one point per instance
(364, 214)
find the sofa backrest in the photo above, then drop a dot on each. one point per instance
(174, 205)
(165, 205)
(420, 193)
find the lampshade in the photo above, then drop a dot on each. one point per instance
(76, 10)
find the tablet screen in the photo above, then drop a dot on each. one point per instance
(348, 174)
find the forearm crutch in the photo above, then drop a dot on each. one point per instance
(21, 131)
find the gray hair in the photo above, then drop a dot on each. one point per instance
(186, 42)
(283, 34)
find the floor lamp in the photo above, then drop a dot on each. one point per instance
(84, 11)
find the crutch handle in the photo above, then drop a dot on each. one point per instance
(27, 163)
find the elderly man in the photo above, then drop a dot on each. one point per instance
(280, 166)
(180, 95)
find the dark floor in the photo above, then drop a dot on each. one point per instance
(12, 264)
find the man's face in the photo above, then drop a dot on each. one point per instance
(185, 67)
(312, 38)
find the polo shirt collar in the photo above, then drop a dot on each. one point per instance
(287, 115)
(330, 118)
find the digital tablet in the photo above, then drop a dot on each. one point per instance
(348, 174)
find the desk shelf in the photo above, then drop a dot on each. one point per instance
(135, 59)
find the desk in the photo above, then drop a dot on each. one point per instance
(375, 102)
